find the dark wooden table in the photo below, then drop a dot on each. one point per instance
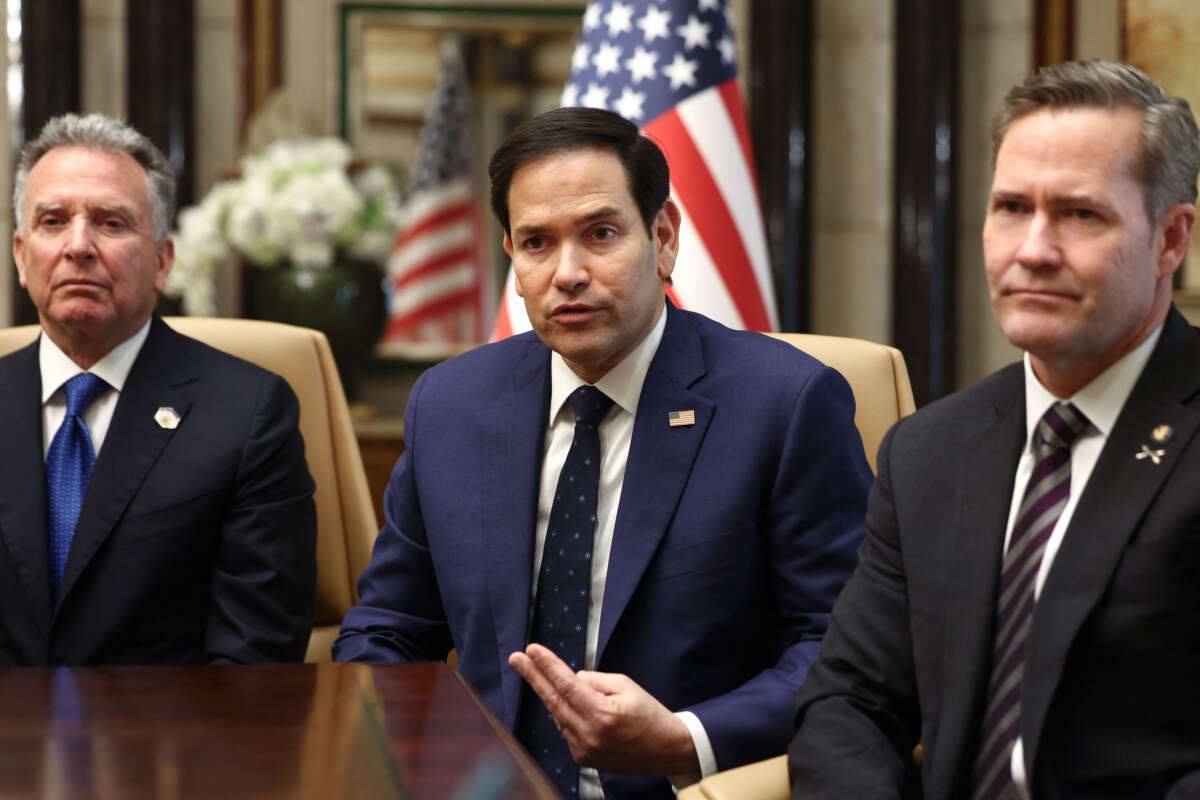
(264, 731)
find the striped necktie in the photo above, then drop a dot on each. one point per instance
(1045, 497)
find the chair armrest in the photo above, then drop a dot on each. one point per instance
(764, 780)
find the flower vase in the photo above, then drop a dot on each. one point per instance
(345, 301)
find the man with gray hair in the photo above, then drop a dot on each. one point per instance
(1025, 604)
(173, 521)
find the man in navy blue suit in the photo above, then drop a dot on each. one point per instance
(723, 517)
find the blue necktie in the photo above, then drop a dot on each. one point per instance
(69, 465)
(564, 581)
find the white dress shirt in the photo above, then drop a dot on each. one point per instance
(623, 384)
(1101, 402)
(57, 368)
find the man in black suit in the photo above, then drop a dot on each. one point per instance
(155, 503)
(1026, 599)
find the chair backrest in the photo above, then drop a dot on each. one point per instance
(876, 374)
(346, 522)
(762, 780)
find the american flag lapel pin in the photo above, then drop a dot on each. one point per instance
(680, 419)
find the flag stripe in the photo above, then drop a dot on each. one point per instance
(698, 192)
(419, 251)
(698, 283)
(427, 200)
(439, 218)
(403, 323)
(440, 283)
(731, 95)
(707, 120)
(464, 255)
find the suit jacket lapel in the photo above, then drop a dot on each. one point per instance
(132, 444)
(1100, 528)
(660, 461)
(23, 501)
(511, 467)
(979, 521)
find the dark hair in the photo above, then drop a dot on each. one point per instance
(575, 128)
(98, 132)
(1168, 152)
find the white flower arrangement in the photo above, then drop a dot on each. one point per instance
(302, 203)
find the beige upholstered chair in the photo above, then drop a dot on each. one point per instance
(764, 780)
(882, 395)
(877, 375)
(346, 523)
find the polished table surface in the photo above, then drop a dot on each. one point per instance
(261, 731)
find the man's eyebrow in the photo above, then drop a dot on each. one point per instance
(1056, 201)
(528, 230)
(605, 212)
(42, 208)
(1004, 195)
(116, 208)
(1079, 200)
(602, 213)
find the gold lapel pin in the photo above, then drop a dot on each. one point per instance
(1154, 455)
(167, 418)
(679, 419)
(1162, 434)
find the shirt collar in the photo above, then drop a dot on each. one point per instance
(57, 367)
(622, 383)
(1101, 400)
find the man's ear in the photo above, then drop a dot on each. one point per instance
(1173, 235)
(18, 251)
(166, 260)
(665, 233)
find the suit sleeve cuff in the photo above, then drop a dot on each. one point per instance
(704, 752)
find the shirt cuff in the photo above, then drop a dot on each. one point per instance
(704, 752)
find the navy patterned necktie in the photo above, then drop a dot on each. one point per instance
(564, 580)
(69, 465)
(1042, 504)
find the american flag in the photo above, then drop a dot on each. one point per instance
(676, 419)
(671, 67)
(436, 269)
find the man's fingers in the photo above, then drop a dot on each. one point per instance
(550, 664)
(605, 683)
(553, 681)
(564, 679)
(521, 663)
(607, 719)
(533, 674)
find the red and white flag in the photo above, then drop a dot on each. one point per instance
(437, 268)
(670, 66)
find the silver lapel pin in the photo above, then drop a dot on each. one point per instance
(167, 418)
